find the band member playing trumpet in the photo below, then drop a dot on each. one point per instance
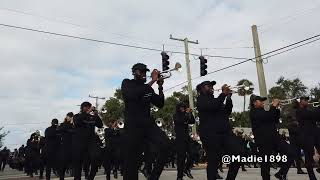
(215, 130)
(182, 119)
(84, 139)
(267, 137)
(139, 128)
(307, 122)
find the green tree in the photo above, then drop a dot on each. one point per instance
(315, 92)
(240, 119)
(115, 108)
(287, 89)
(2, 135)
(243, 91)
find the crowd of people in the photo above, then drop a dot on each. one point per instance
(81, 143)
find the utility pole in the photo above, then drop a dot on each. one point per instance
(190, 91)
(259, 62)
(97, 98)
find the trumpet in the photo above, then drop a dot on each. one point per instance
(120, 124)
(315, 104)
(288, 101)
(245, 86)
(159, 122)
(168, 73)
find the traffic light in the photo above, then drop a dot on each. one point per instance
(203, 66)
(165, 61)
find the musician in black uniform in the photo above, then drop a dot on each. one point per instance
(66, 131)
(307, 123)
(84, 139)
(295, 137)
(139, 127)
(267, 137)
(215, 130)
(113, 147)
(5, 153)
(182, 118)
(52, 142)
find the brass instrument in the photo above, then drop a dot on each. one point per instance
(159, 122)
(315, 104)
(120, 123)
(288, 101)
(245, 85)
(100, 133)
(168, 73)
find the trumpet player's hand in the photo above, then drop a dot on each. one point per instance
(275, 102)
(160, 81)
(188, 110)
(155, 75)
(225, 89)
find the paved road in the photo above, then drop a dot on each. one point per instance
(251, 174)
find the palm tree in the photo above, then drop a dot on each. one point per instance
(244, 91)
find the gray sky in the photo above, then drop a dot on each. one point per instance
(44, 77)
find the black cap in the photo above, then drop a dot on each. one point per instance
(181, 104)
(212, 83)
(198, 88)
(140, 66)
(304, 98)
(85, 104)
(54, 122)
(70, 114)
(258, 98)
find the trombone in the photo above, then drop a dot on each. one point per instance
(168, 73)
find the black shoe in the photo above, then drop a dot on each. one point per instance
(301, 172)
(146, 173)
(188, 173)
(179, 178)
(280, 176)
(218, 176)
(243, 169)
(318, 170)
(115, 175)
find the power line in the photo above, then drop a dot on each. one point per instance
(292, 48)
(108, 42)
(51, 19)
(271, 52)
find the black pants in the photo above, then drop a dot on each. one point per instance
(51, 160)
(269, 142)
(309, 142)
(296, 144)
(85, 149)
(135, 138)
(65, 159)
(3, 163)
(215, 144)
(182, 147)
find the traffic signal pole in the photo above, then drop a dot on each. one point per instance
(190, 91)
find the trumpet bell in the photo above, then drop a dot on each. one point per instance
(177, 66)
(159, 122)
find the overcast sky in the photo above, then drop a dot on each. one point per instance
(44, 76)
